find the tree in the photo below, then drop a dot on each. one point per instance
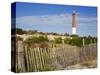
(19, 31)
(66, 34)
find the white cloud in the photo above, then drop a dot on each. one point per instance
(59, 19)
(43, 20)
(86, 20)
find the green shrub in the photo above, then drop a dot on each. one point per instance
(58, 40)
(39, 39)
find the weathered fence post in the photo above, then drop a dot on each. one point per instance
(20, 65)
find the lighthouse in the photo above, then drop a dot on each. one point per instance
(74, 23)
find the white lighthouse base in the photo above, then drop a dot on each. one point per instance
(73, 30)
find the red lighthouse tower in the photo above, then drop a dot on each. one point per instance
(74, 22)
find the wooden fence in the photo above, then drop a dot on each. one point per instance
(88, 52)
(50, 59)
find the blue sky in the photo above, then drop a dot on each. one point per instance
(56, 18)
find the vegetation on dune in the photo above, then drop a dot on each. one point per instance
(21, 31)
(39, 39)
(74, 35)
(58, 40)
(76, 40)
(19, 38)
